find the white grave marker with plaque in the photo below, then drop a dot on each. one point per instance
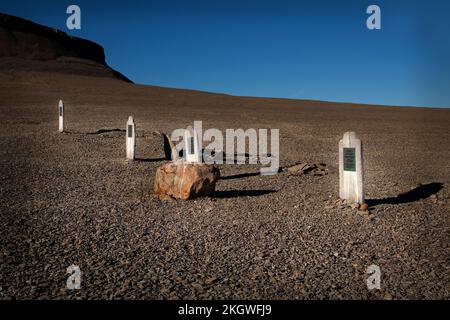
(61, 116)
(192, 146)
(351, 175)
(131, 138)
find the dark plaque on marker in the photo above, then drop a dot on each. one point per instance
(349, 159)
(130, 131)
(60, 111)
(191, 145)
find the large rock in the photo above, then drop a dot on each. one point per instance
(181, 180)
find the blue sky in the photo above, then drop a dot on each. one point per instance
(292, 49)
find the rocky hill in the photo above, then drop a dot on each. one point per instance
(26, 45)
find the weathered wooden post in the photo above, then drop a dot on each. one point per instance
(131, 138)
(351, 174)
(61, 116)
(170, 151)
(192, 146)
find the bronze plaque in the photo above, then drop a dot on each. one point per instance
(349, 159)
(60, 111)
(130, 131)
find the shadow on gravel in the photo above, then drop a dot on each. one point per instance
(149, 160)
(241, 175)
(421, 192)
(241, 193)
(96, 132)
(107, 130)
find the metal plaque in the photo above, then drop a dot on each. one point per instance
(349, 159)
(191, 145)
(60, 111)
(130, 131)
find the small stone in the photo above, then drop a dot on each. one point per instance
(298, 168)
(308, 168)
(165, 197)
(355, 205)
(388, 296)
(363, 207)
(210, 280)
(141, 284)
(61, 292)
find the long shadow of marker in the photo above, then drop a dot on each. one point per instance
(241, 175)
(241, 193)
(421, 192)
(149, 160)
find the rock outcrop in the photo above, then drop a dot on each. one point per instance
(28, 45)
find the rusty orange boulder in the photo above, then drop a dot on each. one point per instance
(181, 180)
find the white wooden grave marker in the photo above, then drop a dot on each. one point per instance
(61, 116)
(192, 146)
(351, 174)
(131, 138)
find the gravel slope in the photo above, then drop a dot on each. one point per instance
(72, 199)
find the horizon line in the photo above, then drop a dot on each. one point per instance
(294, 99)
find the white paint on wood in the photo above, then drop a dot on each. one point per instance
(173, 150)
(351, 171)
(130, 138)
(192, 147)
(61, 116)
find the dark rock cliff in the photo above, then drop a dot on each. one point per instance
(28, 45)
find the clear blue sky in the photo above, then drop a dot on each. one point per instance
(292, 49)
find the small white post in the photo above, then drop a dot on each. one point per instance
(130, 138)
(61, 116)
(351, 174)
(192, 146)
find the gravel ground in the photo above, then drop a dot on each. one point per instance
(72, 198)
